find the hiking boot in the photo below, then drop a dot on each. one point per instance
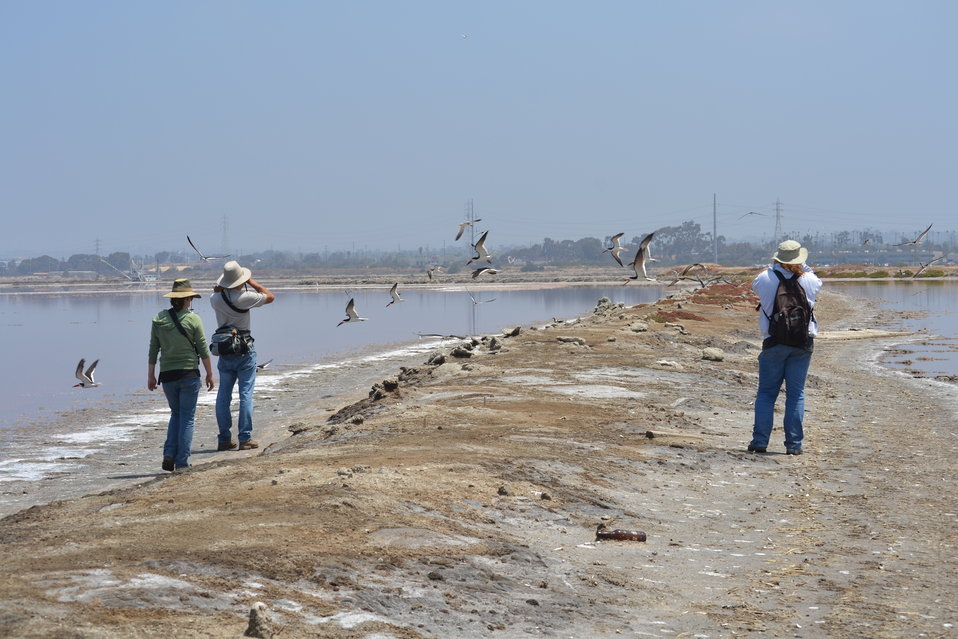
(230, 445)
(167, 464)
(756, 449)
(793, 451)
(248, 445)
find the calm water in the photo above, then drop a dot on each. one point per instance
(44, 336)
(938, 302)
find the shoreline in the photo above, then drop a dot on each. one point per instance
(459, 493)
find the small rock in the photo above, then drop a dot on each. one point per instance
(357, 420)
(344, 472)
(611, 338)
(436, 359)
(514, 332)
(675, 325)
(649, 434)
(434, 576)
(545, 497)
(713, 354)
(669, 364)
(461, 352)
(503, 490)
(639, 327)
(390, 384)
(572, 340)
(260, 624)
(532, 602)
(494, 344)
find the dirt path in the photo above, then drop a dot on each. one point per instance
(461, 499)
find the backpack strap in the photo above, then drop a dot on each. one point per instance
(792, 281)
(176, 320)
(230, 304)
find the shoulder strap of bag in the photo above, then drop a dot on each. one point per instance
(176, 320)
(230, 304)
(793, 281)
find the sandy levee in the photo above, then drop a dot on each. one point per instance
(462, 496)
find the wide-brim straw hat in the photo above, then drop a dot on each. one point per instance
(233, 275)
(182, 288)
(791, 252)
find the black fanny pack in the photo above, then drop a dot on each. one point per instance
(228, 341)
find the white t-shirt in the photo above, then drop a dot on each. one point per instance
(241, 299)
(765, 286)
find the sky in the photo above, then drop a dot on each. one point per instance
(313, 126)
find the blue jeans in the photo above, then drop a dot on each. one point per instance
(776, 364)
(181, 395)
(241, 368)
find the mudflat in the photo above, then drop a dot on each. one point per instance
(461, 498)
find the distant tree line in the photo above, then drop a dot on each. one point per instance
(672, 245)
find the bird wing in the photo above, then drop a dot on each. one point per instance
(923, 233)
(79, 373)
(351, 310)
(194, 247)
(462, 228)
(480, 246)
(616, 241)
(89, 371)
(392, 291)
(615, 255)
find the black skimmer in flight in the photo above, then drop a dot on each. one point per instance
(86, 378)
(917, 240)
(641, 256)
(433, 269)
(481, 252)
(924, 266)
(463, 225)
(478, 302)
(205, 258)
(485, 269)
(351, 314)
(616, 248)
(394, 294)
(749, 213)
(264, 364)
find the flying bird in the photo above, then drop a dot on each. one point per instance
(351, 314)
(86, 378)
(433, 269)
(688, 268)
(924, 266)
(205, 258)
(641, 256)
(394, 294)
(917, 240)
(485, 269)
(866, 242)
(478, 302)
(616, 248)
(264, 364)
(463, 225)
(481, 252)
(750, 213)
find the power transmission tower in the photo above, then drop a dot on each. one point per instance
(226, 235)
(471, 217)
(778, 223)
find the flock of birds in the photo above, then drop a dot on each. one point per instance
(643, 255)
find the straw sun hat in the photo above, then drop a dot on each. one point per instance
(182, 288)
(233, 275)
(791, 252)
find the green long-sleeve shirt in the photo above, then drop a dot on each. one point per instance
(167, 341)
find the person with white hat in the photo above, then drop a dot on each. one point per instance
(780, 362)
(231, 301)
(177, 336)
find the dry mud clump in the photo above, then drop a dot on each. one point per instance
(461, 498)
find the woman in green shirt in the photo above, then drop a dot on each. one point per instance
(177, 337)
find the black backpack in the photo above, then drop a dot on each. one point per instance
(791, 313)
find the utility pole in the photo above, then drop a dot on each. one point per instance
(97, 251)
(714, 229)
(226, 235)
(778, 223)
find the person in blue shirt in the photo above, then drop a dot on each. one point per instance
(779, 362)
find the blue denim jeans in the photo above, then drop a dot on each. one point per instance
(777, 364)
(232, 369)
(181, 395)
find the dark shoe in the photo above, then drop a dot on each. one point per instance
(230, 445)
(167, 464)
(248, 445)
(793, 451)
(756, 449)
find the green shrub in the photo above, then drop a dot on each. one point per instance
(878, 274)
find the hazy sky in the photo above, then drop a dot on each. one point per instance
(312, 125)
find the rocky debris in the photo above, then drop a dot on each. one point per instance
(357, 420)
(503, 491)
(514, 332)
(461, 351)
(679, 327)
(639, 326)
(389, 385)
(610, 338)
(578, 341)
(494, 344)
(668, 363)
(713, 354)
(437, 358)
(260, 624)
